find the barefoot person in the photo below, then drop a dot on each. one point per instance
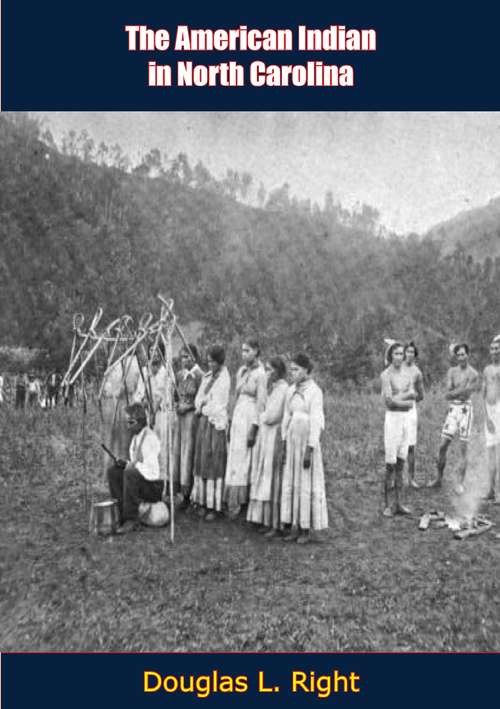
(303, 496)
(137, 479)
(461, 382)
(491, 397)
(399, 396)
(411, 354)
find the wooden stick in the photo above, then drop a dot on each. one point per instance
(424, 521)
(473, 532)
(169, 305)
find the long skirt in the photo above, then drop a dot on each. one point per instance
(265, 487)
(303, 501)
(114, 432)
(239, 459)
(160, 428)
(209, 466)
(185, 427)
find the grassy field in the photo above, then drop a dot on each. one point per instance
(371, 584)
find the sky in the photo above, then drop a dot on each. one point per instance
(417, 169)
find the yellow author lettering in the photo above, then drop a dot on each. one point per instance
(200, 685)
(323, 686)
(262, 685)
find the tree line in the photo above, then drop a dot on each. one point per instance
(81, 227)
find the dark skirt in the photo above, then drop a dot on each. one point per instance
(210, 454)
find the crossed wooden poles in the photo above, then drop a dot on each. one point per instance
(125, 343)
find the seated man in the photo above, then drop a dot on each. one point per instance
(137, 479)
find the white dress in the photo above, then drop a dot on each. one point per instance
(159, 383)
(303, 497)
(118, 391)
(265, 486)
(251, 398)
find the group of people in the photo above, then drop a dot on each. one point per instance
(33, 390)
(260, 459)
(402, 389)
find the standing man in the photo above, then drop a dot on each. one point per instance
(411, 354)
(53, 383)
(20, 390)
(137, 479)
(491, 397)
(34, 391)
(399, 396)
(461, 382)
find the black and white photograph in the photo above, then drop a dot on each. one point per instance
(250, 382)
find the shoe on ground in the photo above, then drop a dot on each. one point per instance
(129, 526)
(210, 517)
(290, 537)
(262, 529)
(490, 497)
(388, 512)
(201, 512)
(414, 484)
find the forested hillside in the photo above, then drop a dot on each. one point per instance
(477, 231)
(80, 227)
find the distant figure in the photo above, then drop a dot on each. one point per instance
(399, 396)
(461, 382)
(34, 391)
(188, 380)
(411, 354)
(491, 397)
(303, 497)
(52, 384)
(265, 486)
(251, 392)
(1, 389)
(211, 404)
(69, 395)
(136, 478)
(118, 391)
(21, 387)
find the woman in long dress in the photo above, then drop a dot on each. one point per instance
(251, 391)
(188, 380)
(211, 405)
(117, 393)
(265, 488)
(152, 387)
(303, 498)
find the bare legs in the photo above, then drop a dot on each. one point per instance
(493, 453)
(441, 464)
(394, 470)
(411, 468)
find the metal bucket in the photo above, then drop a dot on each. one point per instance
(104, 518)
